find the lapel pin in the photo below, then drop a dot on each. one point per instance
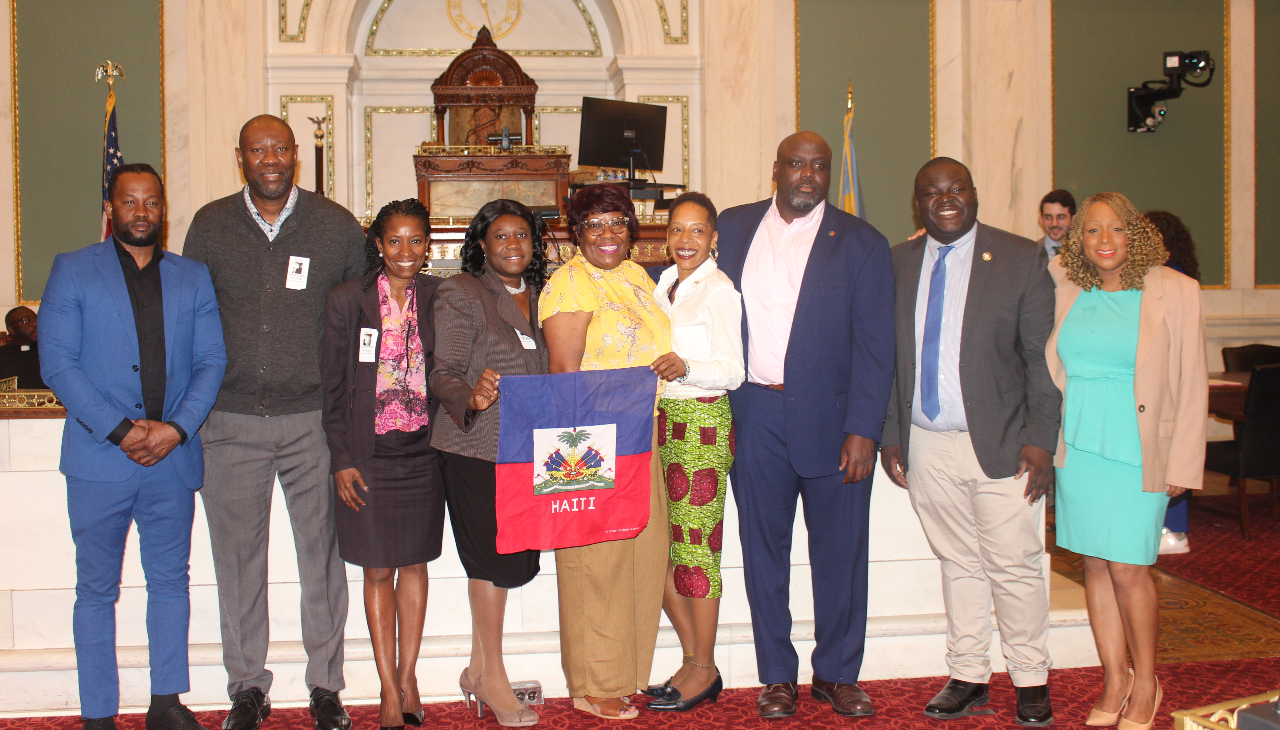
(831, 233)
(986, 255)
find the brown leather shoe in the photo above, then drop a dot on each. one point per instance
(778, 700)
(846, 699)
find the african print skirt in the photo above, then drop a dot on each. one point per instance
(695, 440)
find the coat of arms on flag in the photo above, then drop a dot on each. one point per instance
(574, 454)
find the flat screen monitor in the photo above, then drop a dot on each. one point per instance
(613, 132)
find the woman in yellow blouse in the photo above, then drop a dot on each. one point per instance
(598, 313)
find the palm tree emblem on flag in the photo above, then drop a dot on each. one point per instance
(584, 466)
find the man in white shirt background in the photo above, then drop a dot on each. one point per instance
(1057, 210)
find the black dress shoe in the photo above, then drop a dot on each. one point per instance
(1034, 708)
(172, 717)
(673, 702)
(958, 699)
(99, 723)
(249, 707)
(415, 718)
(327, 710)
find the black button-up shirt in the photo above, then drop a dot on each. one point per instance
(147, 299)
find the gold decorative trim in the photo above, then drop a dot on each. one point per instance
(490, 150)
(301, 35)
(327, 100)
(666, 23)
(1053, 97)
(369, 49)
(17, 179)
(369, 111)
(537, 118)
(933, 79)
(683, 101)
(1226, 152)
(29, 399)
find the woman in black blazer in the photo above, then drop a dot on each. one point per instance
(487, 327)
(374, 362)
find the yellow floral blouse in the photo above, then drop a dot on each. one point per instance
(627, 328)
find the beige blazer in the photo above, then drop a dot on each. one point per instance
(1171, 380)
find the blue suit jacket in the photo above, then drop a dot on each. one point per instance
(89, 357)
(839, 362)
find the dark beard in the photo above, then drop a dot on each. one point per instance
(126, 237)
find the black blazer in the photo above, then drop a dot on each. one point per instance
(349, 385)
(1009, 398)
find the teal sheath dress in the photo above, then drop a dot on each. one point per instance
(1101, 509)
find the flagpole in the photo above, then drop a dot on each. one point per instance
(319, 122)
(110, 71)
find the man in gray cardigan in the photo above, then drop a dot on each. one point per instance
(971, 428)
(274, 251)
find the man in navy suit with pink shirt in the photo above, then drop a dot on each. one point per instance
(817, 292)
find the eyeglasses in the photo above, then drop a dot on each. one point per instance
(24, 320)
(617, 225)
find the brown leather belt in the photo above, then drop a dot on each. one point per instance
(774, 386)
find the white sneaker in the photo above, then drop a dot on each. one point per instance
(1173, 543)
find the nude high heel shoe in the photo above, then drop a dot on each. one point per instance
(523, 717)
(1101, 718)
(1127, 724)
(465, 686)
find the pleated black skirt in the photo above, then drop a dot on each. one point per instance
(471, 490)
(402, 522)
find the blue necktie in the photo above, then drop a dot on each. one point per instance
(932, 337)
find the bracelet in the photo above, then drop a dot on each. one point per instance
(684, 377)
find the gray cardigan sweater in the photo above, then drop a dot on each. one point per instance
(273, 332)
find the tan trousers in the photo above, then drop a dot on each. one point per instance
(610, 603)
(991, 543)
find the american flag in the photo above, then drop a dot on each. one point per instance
(111, 157)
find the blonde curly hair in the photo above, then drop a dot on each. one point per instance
(1146, 249)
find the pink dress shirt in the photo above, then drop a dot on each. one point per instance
(771, 280)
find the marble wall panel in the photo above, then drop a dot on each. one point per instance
(464, 198)
(36, 516)
(35, 444)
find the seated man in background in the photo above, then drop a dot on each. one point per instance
(1057, 210)
(19, 357)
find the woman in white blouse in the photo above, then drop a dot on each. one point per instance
(695, 440)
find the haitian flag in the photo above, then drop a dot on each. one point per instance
(574, 451)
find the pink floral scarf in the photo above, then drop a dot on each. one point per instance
(400, 396)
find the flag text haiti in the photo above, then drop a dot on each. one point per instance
(573, 458)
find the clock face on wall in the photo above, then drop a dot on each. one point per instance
(468, 15)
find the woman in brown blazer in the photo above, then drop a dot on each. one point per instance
(486, 328)
(1127, 350)
(374, 360)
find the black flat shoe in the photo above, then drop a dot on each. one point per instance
(1034, 708)
(657, 690)
(415, 718)
(673, 702)
(958, 699)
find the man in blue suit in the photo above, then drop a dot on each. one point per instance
(131, 343)
(817, 291)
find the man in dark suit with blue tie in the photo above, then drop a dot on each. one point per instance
(131, 343)
(817, 291)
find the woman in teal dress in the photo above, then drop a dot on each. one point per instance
(1127, 350)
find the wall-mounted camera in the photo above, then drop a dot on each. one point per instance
(1147, 102)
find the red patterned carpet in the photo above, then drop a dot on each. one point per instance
(1221, 559)
(898, 705)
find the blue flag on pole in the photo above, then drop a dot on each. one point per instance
(111, 156)
(850, 188)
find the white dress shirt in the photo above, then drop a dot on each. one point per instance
(959, 263)
(706, 330)
(1051, 247)
(771, 279)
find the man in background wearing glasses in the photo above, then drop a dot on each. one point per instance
(19, 357)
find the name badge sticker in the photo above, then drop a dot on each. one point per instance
(368, 344)
(296, 277)
(526, 340)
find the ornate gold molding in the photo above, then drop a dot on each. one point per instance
(1226, 152)
(17, 169)
(667, 38)
(538, 111)
(369, 50)
(683, 101)
(796, 23)
(933, 79)
(327, 100)
(301, 35)
(369, 111)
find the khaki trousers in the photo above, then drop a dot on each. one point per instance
(610, 603)
(991, 544)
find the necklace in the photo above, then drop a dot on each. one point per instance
(517, 290)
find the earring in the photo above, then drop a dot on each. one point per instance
(379, 254)
(715, 252)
